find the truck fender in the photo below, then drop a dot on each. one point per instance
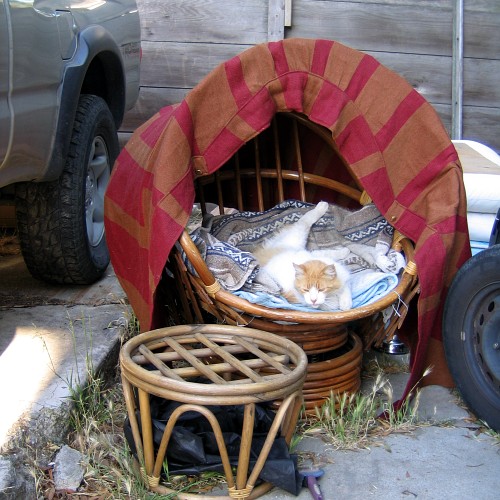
(96, 68)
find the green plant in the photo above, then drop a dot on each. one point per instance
(494, 434)
(133, 326)
(89, 404)
(349, 421)
(296, 438)
(87, 395)
(203, 483)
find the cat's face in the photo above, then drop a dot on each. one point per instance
(316, 281)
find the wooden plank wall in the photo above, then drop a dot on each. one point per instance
(184, 39)
(414, 38)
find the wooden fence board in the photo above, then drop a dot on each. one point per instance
(375, 27)
(182, 65)
(207, 21)
(431, 76)
(183, 40)
(406, 27)
(151, 100)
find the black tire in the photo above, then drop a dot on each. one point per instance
(471, 334)
(61, 223)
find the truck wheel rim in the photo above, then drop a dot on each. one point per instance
(98, 173)
(484, 315)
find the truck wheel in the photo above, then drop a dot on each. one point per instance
(471, 334)
(61, 223)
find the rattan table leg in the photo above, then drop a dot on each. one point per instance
(245, 446)
(147, 431)
(276, 426)
(291, 416)
(128, 394)
(167, 433)
(243, 488)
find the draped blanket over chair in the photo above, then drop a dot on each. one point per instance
(388, 136)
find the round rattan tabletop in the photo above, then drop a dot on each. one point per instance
(214, 364)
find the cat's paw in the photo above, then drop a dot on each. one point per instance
(322, 207)
(345, 301)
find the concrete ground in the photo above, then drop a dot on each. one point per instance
(48, 335)
(49, 338)
(447, 458)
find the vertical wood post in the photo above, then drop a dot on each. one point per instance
(288, 14)
(458, 70)
(276, 20)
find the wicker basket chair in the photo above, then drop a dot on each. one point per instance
(273, 167)
(391, 138)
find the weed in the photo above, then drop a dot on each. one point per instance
(90, 403)
(9, 242)
(203, 483)
(350, 421)
(489, 431)
(111, 470)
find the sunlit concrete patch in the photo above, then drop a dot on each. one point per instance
(46, 350)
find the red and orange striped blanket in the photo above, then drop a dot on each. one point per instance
(389, 134)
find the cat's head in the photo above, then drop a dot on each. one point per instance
(315, 281)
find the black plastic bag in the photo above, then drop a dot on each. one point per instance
(193, 449)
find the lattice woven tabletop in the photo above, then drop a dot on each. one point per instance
(214, 364)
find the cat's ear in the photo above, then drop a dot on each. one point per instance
(331, 271)
(299, 269)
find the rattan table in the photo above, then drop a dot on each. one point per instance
(232, 366)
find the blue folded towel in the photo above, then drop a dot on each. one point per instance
(366, 287)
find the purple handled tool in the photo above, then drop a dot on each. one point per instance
(310, 479)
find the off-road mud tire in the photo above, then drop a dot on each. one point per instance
(53, 216)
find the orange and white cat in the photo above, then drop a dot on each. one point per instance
(314, 278)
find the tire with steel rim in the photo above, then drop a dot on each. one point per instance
(471, 334)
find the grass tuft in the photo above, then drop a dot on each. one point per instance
(352, 421)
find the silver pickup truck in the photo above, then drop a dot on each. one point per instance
(69, 70)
